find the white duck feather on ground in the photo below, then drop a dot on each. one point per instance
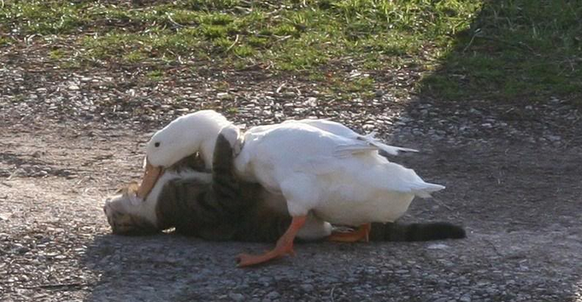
(318, 166)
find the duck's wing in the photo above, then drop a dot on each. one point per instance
(343, 131)
(363, 146)
(345, 151)
(392, 150)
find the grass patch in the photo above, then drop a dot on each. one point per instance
(57, 54)
(5, 41)
(514, 50)
(155, 75)
(504, 50)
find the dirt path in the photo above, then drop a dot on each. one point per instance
(512, 183)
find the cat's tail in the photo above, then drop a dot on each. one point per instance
(416, 231)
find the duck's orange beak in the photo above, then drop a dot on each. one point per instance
(150, 177)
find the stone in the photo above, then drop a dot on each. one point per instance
(307, 287)
(273, 295)
(236, 297)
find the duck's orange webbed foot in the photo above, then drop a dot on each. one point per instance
(361, 234)
(244, 260)
(284, 246)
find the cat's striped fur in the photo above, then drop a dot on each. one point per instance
(227, 208)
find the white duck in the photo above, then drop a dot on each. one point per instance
(318, 166)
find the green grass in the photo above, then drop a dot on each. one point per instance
(155, 75)
(467, 49)
(515, 50)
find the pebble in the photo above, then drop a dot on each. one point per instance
(222, 95)
(554, 138)
(437, 246)
(273, 295)
(236, 297)
(465, 298)
(307, 287)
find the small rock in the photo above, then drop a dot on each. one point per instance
(554, 138)
(437, 246)
(236, 297)
(312, 102)
(222, 95)
(22, 250)
(475, 111)
(307, 287)
(73, 87)
(273, 295)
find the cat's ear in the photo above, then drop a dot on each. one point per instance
(132, 187)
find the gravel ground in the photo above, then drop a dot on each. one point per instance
(68, 139)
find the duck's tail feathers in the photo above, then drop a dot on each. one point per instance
(389, 176)
(395, 231)
(383, 149)
(425, 189)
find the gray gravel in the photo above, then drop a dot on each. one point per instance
(69, 138)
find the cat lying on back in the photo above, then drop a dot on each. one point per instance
(218, 206)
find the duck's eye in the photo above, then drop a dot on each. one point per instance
(157, 144)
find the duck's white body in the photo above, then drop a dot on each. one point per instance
(325, 167)
(316, 165)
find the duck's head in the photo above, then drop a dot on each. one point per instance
(186, 135)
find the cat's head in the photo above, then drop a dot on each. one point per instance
(128, 214)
